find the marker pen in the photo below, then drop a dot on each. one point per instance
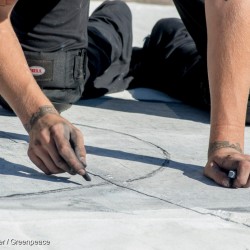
(232, 176)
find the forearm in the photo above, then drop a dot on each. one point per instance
(17, 86)
(228, 68)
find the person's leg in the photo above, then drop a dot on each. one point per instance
(170, 62)
(109, 49)
(192, 13)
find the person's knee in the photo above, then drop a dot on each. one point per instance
(119, 8)
(114, 12)
(164, 32)
(167, 26)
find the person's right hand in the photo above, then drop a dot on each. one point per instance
(222, 161)
(56, 146)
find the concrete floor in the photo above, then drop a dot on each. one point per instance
(146, 154)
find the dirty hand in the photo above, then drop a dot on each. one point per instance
(222, 161)
(56, 146)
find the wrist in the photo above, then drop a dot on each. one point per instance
(226, 138)
(29, 102)
(227, 132)
(225, 146)
(41, 112)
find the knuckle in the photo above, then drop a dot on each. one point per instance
(247, 185)
(240, 164)
(33, 149)
(77, 131)
(63, 149)
(77, 134)
(31, 152)
(240, 182)
(43, 138)
(55, 129)
(243, 166)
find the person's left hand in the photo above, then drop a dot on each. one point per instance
(224, 160)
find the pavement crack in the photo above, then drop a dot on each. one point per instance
(169, 202)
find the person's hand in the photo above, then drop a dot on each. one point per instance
(56, 146)
(222, 161)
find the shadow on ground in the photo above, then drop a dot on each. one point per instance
(155, 108)
(191, 171)
(9, 168)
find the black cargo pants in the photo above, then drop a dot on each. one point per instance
(170, 62)
(192, 13)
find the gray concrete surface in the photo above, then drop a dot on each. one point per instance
(146, 154)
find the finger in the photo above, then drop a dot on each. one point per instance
(77, 142)
(66, 151)
(243, 173)
(47, 144)
(248, 183)
(48, 162)
(68, 154)
(38, 162)
(237, 162)
(213, 171)
(57, 159)
(229, 162)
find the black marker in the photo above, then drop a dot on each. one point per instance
(232, 176)
(86, 177)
